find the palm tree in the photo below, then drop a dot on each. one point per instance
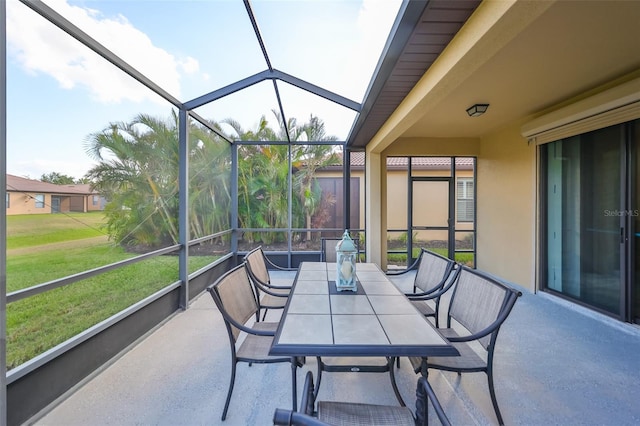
(138, 174)
(311, 158)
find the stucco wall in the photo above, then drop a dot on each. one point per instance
(21, 203)
(506, 206)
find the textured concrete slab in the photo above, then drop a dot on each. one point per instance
(555, 364)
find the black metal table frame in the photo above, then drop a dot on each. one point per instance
(390, 351)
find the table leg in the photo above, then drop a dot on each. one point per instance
(294, 383)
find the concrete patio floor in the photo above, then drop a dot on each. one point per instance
(555, 363)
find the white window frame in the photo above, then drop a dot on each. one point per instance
(465, 199)
(39, 201)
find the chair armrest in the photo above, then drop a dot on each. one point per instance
(424, 392)
(250, 330)
(279, 268)
(413, 266)
(291, 418)
(308, 401)
(433, 294)
(504, 313)
(270, 289)
(426, 295)
(235, 323)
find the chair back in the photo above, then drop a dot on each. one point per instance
(257, 265)
(433, 271)
(329, 253)
(480, 302)
(234, 297)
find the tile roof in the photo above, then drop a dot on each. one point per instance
(357, 161)
(20, 184)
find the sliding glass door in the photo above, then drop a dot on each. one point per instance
(590, 215)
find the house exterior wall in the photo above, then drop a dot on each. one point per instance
(94, 203)
(506, 207)
(25, 203)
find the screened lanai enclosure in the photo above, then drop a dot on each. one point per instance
(188, 195)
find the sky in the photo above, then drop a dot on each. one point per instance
(59, 92)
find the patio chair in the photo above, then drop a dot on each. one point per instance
(434, 273)
(356, 414)
(329, 254)
(268, 294)
(479, 306)
(235, 299)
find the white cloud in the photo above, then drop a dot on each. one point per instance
(42, 48)
(370, 32)
(190, 65)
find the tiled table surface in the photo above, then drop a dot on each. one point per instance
(377, 321)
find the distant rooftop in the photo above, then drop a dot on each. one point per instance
(422, 163)
(20, 184)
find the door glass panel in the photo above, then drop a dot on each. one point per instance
(431, 204)
(584, 212)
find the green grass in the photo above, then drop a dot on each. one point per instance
(401, 259)
(36, 230)
(38, 323)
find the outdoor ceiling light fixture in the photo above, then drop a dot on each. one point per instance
(477, 110)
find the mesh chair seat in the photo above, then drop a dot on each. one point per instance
(424, 308)
(256, 347)
(468, 359)
(329, 253)
(269, 301)
(355, 414)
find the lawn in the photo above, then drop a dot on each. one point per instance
(42, 248)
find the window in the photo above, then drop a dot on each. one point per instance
(96, 200)
(39, 201)
(465, 200)
(7, 199)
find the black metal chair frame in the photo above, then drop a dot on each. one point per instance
(231, 322)
(263, 284)
(360, 368)
(509, 300)
(325, 241)
(424, 394)
(442, 283)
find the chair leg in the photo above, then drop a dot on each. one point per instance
(232, 381)
(265, 314)
(394, 385)
(492, 392)
(316, 389)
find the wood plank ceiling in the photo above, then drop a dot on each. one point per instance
(421, 32)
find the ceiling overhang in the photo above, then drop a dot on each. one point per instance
(422, 30)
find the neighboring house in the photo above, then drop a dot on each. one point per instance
(431, 177)
(28, 196)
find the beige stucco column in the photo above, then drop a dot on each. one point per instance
(376, 208)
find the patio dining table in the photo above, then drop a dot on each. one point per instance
(375, 320)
